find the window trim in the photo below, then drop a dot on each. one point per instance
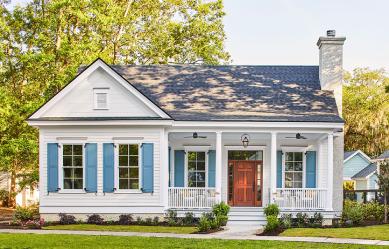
(61, 168)
(303, 151)
(116, 167)
(188, 149)
(97, 91)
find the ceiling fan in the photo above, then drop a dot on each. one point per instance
(195, 135)
(298, 136)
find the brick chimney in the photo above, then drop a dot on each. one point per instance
(331, 64)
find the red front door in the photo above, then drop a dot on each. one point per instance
(244, 183)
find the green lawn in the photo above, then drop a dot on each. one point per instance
(380, 232)
(106, 242)
(120, 228)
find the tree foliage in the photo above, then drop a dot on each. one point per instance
(366, 111)
(383, 183)
(43, 43)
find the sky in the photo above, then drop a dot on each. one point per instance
(285, 32)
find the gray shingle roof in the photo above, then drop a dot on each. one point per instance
(366, 171)
(235, 93)
(347, 154)
(384, 155)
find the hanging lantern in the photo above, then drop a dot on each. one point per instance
(245, 138)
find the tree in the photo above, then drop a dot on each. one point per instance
(43, 43)
(366, 111)
(383, 183)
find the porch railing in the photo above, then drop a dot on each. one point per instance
(301, 198)
(180, 197)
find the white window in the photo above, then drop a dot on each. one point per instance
(196, 168)
(294, 165)
(100, 98)
(72, 166)
(128, 166)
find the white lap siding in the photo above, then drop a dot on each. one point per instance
(105, 203)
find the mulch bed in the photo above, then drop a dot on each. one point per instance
(272, 233)
(210, 231)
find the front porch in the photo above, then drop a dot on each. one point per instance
(274, 167)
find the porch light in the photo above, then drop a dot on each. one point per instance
(245, 140)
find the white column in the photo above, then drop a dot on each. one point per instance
(218, 169)
(330, 170)
(165, 168)
(273, 166)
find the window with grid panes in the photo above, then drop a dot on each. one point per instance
(128, 166)
(293, 169)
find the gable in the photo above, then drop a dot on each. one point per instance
(354, 165)
(78, 98)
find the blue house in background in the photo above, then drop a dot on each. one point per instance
(360, 169)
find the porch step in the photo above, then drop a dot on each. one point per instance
(246, 216)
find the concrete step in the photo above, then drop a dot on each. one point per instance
(241, 213)
(246, 218)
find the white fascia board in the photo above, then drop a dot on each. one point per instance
(39, 123)
(229, 124)
(83, 75)
(355, 153)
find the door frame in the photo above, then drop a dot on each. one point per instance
(257, 203)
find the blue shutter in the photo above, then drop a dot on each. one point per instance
(279, 169)
(52, 167)
(179, 165)
(311, 169)
(108, 168)
(91, 167)
(147, 167)
(211, 168)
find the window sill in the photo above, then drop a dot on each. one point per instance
(72, 191)
(128, 191)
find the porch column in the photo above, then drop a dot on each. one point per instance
(218, 168)
(330, 170)
(165, 169)
(273, 166)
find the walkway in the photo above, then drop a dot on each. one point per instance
(220, 235)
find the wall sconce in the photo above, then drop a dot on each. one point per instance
(245, 138)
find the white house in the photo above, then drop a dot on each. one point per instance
(144, 139)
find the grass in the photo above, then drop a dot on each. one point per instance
(378, 232)
(123, 228)
(106, 242)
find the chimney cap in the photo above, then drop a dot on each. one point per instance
(331, 33)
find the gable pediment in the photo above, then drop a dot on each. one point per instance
(99, 86)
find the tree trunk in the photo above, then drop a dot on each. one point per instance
(385, 208)
(12, 190)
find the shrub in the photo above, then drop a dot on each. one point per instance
(25, 213)
(125, 219)
(221, 209)
(302, 220)
(222, 220)
(272, 209)
(148, 221)
(139, 220)
(4, 197)
(171, 218)
(272, 224)
(316, 220)
(156, 220)
(95, 219)
(189, 219)
(373, 211)
(35, 224)
(204, 224)
(352, 213)
(66, 219)
(286, 221)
